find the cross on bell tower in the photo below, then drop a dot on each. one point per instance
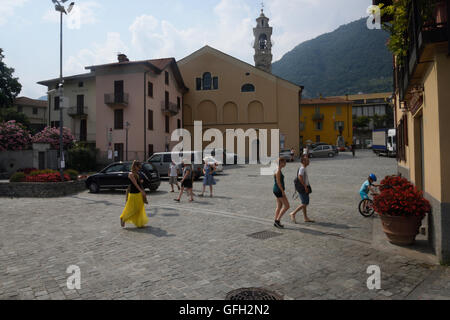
(263, 43)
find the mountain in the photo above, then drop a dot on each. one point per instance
(349, 60)
(43, 98)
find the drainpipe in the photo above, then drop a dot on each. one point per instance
(145, 116)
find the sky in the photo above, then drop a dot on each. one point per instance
(96, 30)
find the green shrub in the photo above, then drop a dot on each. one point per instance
(45, 171)
(17, 177)
(72, 173)
(82, 158)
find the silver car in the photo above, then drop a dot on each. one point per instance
(162, 160)
(285, 154)
(322, 151)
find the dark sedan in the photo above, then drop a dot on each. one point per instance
(115, 176)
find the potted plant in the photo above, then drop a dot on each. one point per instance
(401, 207)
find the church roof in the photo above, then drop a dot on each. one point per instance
(208, 49)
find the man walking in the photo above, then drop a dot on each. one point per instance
(173, 176)
(304, 189)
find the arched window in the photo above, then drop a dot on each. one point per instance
(248, 87)
(263, 41)
(207, 81)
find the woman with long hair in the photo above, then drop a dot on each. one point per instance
(134, 211)
(279, 192)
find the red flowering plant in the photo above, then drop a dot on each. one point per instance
(14, 136)
(399, 197)
(51, 136)
(46, 177)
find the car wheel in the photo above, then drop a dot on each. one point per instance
(94, 188)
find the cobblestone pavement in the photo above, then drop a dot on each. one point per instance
(202, 250)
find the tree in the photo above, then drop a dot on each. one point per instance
(51, 136)
(9, 86)
(379, 122)
(7, 114)
(361, 123)
(13, 136)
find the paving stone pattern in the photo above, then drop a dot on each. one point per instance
(202, 250)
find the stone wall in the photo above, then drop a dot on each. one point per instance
(11, 161)
(41, 190)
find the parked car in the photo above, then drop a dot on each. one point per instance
(115, 176)
(315, 145)
(162, 160)
(227, 157)
(322, 151)
(212, 161)
(335, 149)
(285, 154)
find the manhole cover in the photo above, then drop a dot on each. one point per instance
(252, 294)
(264, 235)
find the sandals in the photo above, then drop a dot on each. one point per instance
(293, 218)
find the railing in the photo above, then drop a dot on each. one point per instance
(116, 98)
(84, 137)
(419, 34)
(170, 107)
(77, 111)
(318, 117)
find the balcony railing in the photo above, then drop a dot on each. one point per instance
(77, 111)
(116, 98)
(420, 33)
(88, 137)
(169, 107)
(318, 117)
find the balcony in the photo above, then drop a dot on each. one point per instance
(318, 117)
(84, 137)
(78, 112)
(116, 99)
(410, 69)
(170, 108)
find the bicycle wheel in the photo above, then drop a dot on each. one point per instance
(365, 208)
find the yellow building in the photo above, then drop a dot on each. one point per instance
(227, 93)
(240, 97)
(325, 120)
(422, 116)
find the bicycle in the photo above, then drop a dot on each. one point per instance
(366, 206)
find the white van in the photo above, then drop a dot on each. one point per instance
(162, 160)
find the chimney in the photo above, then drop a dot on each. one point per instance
(122, 57)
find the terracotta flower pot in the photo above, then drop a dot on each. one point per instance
(401, 230)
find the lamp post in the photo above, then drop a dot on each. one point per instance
(60, 8)
(127, 126)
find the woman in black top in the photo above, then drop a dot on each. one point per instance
(186, 182)
(134, 210)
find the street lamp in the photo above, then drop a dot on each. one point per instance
(127, 126)
(60, 8)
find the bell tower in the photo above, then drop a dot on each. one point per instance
(263, 43)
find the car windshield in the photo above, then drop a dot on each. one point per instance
(148, 167)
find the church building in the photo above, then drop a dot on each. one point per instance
(227, 93)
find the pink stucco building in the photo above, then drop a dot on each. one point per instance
(147, 95)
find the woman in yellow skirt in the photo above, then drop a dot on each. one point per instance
(134, 211)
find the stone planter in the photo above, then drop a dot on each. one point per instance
(401, 230)
(41, 189)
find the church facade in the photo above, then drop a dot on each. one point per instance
(227, 93)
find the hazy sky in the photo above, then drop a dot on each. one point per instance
(96, 31)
